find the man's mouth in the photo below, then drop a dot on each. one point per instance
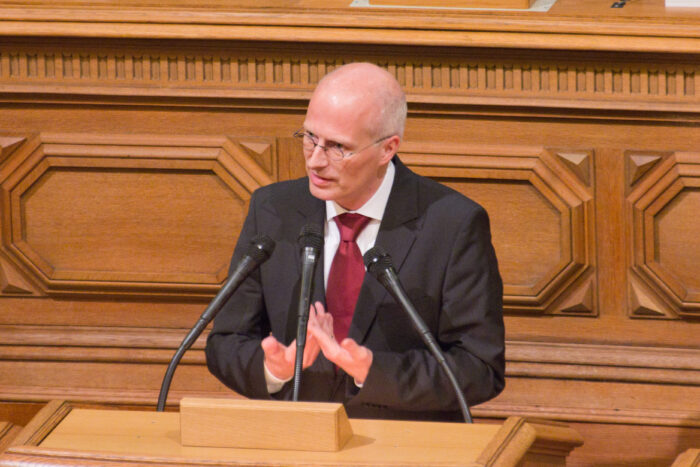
(318, 179)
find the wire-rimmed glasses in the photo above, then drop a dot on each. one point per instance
(335, 151)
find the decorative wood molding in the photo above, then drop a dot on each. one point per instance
(224, 12)
(619, 368)
(679, 418)
(289, 71)
(42, 424)
(689, 458)
(150, 345)
(663, 278)
(93, 336)
(8, 431)
(648, 29)
(558, 204)
(546, 440)
(603, 362)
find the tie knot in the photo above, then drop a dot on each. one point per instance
(350, 225)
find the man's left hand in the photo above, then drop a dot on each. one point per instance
(353, 358)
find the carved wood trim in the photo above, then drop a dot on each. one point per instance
(495, 409)
(349, 25)
(92, 337)
(289, 71)
(689, 458)
(8, 432)
(42, 423)
(529, 437)
(603, 362)
(222, 12)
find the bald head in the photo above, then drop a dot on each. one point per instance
(372, 91)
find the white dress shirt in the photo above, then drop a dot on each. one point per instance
(374, 209)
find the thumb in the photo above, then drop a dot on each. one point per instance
(351, 346)
(271, 346)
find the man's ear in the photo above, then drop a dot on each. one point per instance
(390, 146)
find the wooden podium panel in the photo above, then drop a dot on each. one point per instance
(116, 437)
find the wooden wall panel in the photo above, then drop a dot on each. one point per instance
(100, 213)
(663, 275)
(127, 159)
(541, 214)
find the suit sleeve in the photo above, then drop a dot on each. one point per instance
(233, 349)
(470, 333)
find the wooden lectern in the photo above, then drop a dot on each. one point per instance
(62, 435)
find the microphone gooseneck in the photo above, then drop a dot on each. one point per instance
(259, 250)
(379, 264)
(310, 241)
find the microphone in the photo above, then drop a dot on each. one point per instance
(379, 264)
(310, 241)
(259, 250)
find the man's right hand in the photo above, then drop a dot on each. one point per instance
(279, 358)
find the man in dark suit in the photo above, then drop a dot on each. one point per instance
(362, 195)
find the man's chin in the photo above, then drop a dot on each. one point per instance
(324, 194)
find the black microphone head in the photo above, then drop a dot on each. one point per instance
(377, 260)
(261, 247)
(311, 236)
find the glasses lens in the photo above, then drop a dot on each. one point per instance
(335, 153)
(308, 141)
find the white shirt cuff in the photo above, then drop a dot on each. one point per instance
(274, 384)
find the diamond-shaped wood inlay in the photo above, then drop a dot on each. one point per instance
(644, 304)
(579, 163)
(581, 300)
(639, 164)
(12, 282)
(261, 152)
(9, 144)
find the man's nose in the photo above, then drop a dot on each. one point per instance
(317, 158)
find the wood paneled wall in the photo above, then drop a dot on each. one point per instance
(127, 160)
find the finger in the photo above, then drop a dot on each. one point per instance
(326, 324)
(322, 321)
(314, 319)
(311, 351)
(326, 341)
(319, 308)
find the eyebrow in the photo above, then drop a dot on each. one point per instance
(328, 140)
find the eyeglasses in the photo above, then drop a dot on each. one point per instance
(335, 152)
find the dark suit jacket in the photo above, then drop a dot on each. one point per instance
(440, 244)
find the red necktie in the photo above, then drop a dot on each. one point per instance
(346, 274)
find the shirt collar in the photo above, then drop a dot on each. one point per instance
(375, 206)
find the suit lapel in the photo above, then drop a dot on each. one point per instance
(396, 235)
